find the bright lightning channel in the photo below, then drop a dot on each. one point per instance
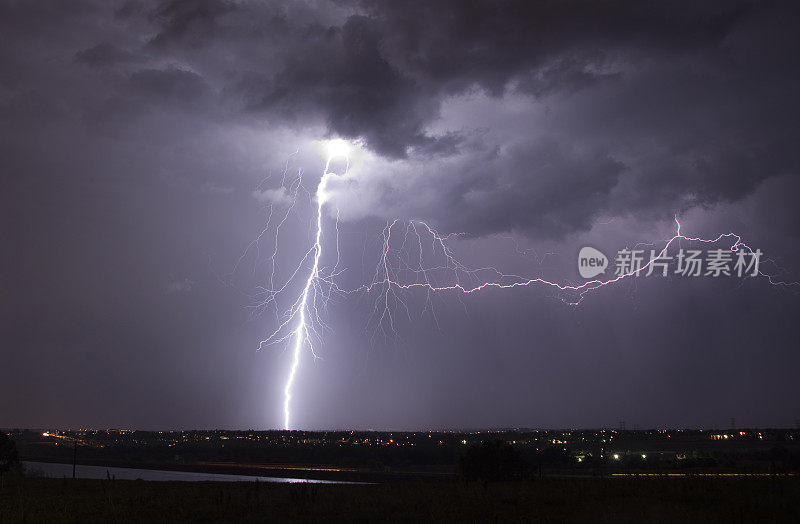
(404, 269)
(301, 333)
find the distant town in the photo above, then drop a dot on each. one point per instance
(371, 455)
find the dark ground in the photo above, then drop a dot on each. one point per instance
(709, 499)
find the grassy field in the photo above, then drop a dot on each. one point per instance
(547, 500)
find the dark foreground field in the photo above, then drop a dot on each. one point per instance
(547, 500)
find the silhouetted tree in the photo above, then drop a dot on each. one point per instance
(492, 460)
(9, 459)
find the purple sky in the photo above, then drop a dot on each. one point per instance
(143, 147)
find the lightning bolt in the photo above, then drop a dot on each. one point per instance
(404, 248)
(304, 309)
(395, 274)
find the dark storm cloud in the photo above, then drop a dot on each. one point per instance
(169, 84)
(105, 55)
(137, 139)
(710, 84)
(456, 45)
(569, 183)
(191, 23)
(689, 107)
(382, 74)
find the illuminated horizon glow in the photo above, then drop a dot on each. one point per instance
(303, 314)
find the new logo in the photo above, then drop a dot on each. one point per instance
(591, 262)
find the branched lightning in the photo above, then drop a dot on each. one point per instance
(504, 281)
(402, 266)
(303, 314)
(391, 278)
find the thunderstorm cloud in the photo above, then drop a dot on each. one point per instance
(143, 140)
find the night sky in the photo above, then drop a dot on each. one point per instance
(144, 145)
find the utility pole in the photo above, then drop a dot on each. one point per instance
(74, 456)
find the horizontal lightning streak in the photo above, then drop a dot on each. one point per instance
(581, 289)
(300, 319)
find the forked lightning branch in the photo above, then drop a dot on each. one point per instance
(299, 327)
